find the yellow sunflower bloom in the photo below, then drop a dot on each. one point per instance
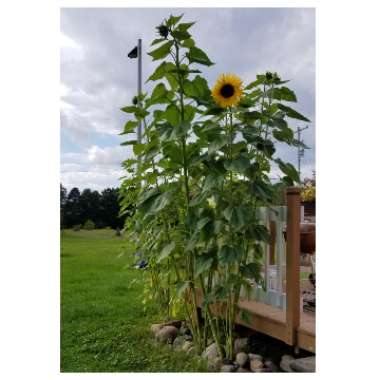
(228, 90)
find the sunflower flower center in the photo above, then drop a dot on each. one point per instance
(227, 91)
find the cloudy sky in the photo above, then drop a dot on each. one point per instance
(97, 79)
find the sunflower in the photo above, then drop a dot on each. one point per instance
(228, 90)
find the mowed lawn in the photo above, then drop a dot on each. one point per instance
(104, 325)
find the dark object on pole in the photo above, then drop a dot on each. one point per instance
(139, 86)
(133, 53)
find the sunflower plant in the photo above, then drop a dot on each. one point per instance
(202, 171)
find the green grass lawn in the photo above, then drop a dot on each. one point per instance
(104, 325)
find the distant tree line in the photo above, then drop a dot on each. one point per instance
(101, 208)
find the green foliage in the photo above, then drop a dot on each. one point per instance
(89, 225)
(107, 309)
(204, 171)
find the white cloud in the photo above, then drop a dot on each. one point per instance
(97, 78)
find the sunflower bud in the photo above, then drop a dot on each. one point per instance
(268, 75)
(135, 100)
(163, 30)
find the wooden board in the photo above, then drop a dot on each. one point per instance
(271, 321)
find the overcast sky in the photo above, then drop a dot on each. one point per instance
(97, 79)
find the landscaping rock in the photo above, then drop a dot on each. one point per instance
(227, 368)
(186, 345)
(255, 357)
(176, 323)
(155, 328)
(214, 365)
(178, 342)
(240, 369)
(211, 352)
(303, 364)
(188, 337)
(191, 351)
(271, 366)
(286, 360)
(241, 359)
(240, 345)
(184, 330)
(167, 334)
(256, 364)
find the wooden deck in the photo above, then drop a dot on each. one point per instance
(292, 325)
(271, 321)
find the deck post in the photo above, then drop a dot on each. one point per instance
(293, 264)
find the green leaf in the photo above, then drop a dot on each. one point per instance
(229, 254)
(200, 198)
(129, 109)
(218, 143)
(130, 142)
(181, 35)
(181, 287)
(283, 93)
(202, 223)
(259, 232)
(239, 165)
(188, 43)
(138, 149)
(148, 194)
(159, 94)
(172, 20)
(285, 134)
(185, 26)
(161, 70)
(162, 201)
(129, 127)
(189, 113)
(199, 56)
(237, 217)
(172, 115)
(174, 152)
(251, 270)
(166, 251)
(290, 112)
(260, 80)
(157, 41)
(289, 170)
(162, 51)
(211, 181)
(202, 264)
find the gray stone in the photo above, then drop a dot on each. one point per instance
(255, 365)
(167, 334)
(178, 342)
(286, 360)
(303, 364)
(155, 328)
(227, 368)
(271, 365)
(188, 337)
(213, 365)
(211, 352)
(255, 357)
(186, 345)
(241, 359)
(240, 369)
(240, 345)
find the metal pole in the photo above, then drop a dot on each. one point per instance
(139, 80)
(299, 151)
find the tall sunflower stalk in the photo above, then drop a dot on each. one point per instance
(205, 164)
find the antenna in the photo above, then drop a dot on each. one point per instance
(301, 151)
